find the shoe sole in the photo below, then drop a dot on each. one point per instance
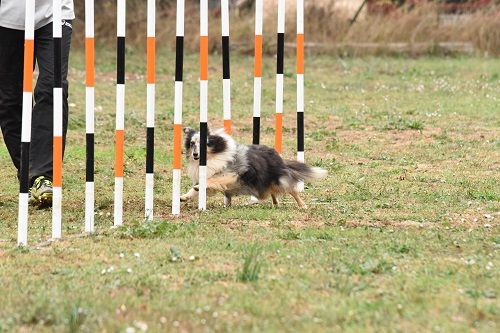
(45, 201)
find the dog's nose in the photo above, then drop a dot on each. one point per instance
(195, 154)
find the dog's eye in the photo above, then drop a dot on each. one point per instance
(210, 144)
(192, 144)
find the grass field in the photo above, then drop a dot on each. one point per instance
(402, 237)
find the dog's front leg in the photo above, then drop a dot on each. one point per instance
(192, 193)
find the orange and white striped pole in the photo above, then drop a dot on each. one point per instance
(57, 152)
(278, 140)
(120, 114)
(300, 85)
(202, 193)
(226, 74)
(257, 81)
(89, 116)
(150, 109)
(179, 61)
(29, 48)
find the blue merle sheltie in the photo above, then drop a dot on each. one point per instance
(237, 169)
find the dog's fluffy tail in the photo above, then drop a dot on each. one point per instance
(303, 172)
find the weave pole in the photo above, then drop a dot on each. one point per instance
(257, 81)
(278, 140)
(179, 63)
(57, 150)
(226, 74)
(89, 116)
(300, 85)
(120, 113)
(202, 193)
(24, 183)
(150, 109)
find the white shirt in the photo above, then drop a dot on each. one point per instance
(12, 13)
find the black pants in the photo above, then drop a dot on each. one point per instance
(11, 96)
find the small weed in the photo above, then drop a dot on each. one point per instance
(403, 249)
(290, 235)
(252, 265)
(76, 318)
(148, 230)
(401, 124)
(482, 195)
(370, 266)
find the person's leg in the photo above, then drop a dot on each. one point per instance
(42, 128)
(11, 90)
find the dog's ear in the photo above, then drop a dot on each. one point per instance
(188, 130)
(189, 135)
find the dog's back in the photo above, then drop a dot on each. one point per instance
(262, 172)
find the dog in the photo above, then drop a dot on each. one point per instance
(236, 169)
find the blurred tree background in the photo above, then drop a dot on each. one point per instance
(382, 26)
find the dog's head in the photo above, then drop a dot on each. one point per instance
(216, 143)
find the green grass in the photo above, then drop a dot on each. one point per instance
(401, 237)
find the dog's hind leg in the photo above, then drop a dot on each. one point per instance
(300, 202)
(227, 200)
(275, 200)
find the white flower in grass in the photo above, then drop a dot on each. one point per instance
(141, 325)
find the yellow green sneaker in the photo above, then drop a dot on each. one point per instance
(41, 193)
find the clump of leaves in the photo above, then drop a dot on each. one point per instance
(252, 265)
